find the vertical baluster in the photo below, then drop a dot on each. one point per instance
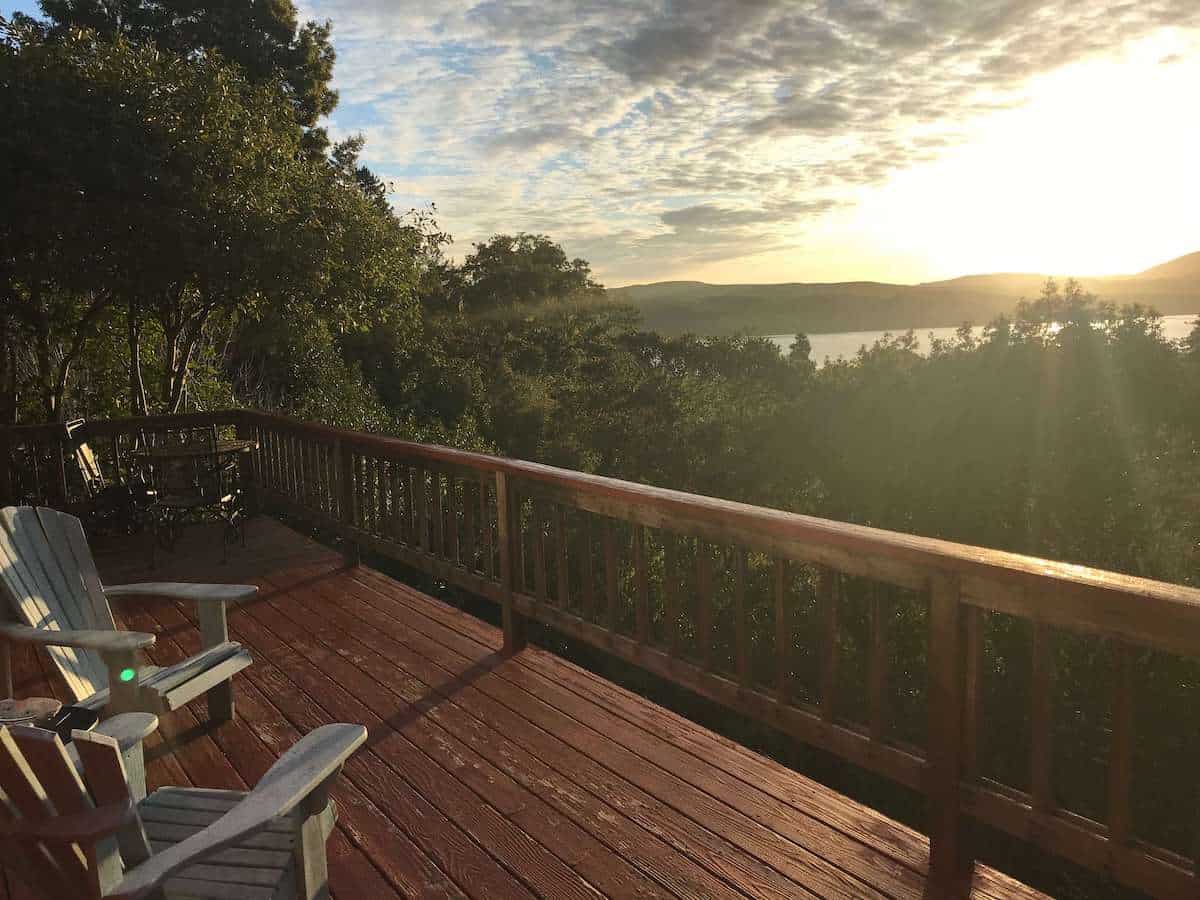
(507, 519)
(828, 600)
(560, 556)
(641, 585)
(671, 592)
(439, 514)
(420, 501)
(740, 638)
(1042, 718)
(537, 520)
(331, 480)
(379, 484)
(412, 527)
(587, 568)
(303, 474)
(1120, 756)
(783, 634)
(363, 509)
(452, 516)
(320, 476)
(383, 516)
(520, 558)
(281, 464)
(972, 698)
(365, 501)
(314, 474)
(610, 573)
(877, 664)
(289, 455)
(486, 519)
(399, 507)
(950, 862)
(704, 603)
(469, 488)
(370, 470)
(274, 461)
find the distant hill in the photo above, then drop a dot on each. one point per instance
(674, 307)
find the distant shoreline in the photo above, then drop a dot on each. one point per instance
(845, 344)
(678, 307)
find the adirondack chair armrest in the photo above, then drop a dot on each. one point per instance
(303, 770)
(200, 593)
(83, 827)
(101, 641)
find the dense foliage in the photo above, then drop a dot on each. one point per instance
(175, 233)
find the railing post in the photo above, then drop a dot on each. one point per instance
(7, 466)
(347, 495)
(62, 446)
(950, 862)
(509, 532)
(249, 474)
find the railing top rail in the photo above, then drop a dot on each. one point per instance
(1021, 574)
(1166, 615)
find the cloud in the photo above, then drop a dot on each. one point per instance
(647, 133)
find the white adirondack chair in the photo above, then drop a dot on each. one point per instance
(54, 592)
(74, 830)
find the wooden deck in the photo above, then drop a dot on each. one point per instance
(484, 776)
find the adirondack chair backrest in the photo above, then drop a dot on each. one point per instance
(89, 466)
(42, 784)
(51, 582)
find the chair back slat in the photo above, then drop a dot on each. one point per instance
(41, 553)
(28, 799)
(75, 553)
(52, 585)
(49, 763)
(89, 465)
(106, 778)
(30, 602)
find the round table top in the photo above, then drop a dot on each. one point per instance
(198, 449)
(31, 709)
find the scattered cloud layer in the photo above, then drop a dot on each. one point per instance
(655, 137)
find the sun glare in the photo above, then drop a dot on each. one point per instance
(1095, 174)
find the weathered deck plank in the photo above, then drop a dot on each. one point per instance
(487, 776)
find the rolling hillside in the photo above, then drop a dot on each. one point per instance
(674, 307)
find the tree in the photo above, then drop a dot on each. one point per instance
(54, 211)
(524, 269)
(177, 187)
(263, 37)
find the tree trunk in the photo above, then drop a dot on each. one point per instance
(45, 377)
(137, 385)
(8, 373)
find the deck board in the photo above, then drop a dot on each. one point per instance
(486, 776)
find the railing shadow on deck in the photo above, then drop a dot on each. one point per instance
(754, 609)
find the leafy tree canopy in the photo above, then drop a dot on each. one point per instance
(523, 269)
(263, 37)
(178, 187)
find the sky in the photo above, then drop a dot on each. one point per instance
(748, 141)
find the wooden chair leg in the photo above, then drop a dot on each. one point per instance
(220, 702)
(312, 874)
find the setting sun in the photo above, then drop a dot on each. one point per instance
(1096, 174)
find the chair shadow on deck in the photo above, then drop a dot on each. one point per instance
(434, 697)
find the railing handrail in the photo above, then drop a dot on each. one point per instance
(1089, 598)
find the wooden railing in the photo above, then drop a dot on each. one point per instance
(755, 609)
